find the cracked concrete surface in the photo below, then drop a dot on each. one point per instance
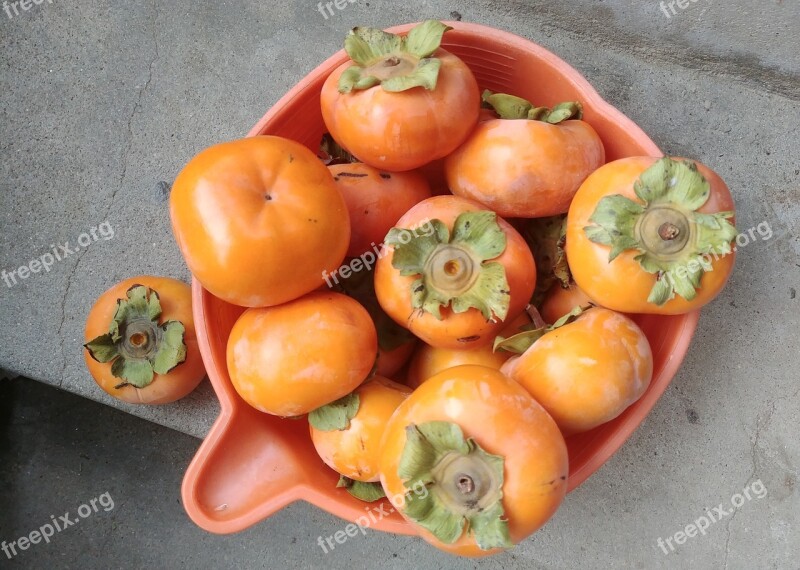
(102, 103)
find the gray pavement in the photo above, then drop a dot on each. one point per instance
(102, 102)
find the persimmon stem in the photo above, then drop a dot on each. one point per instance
(466, 485)
(668, 231)
(138, 339)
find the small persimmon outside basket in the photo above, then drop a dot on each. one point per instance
(252, 464)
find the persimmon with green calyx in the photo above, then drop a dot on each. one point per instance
(651, 235)
(347, 433)
(141, 345)
(402, 101)
(453, 273)
(529, 162)
(291, 359)
(585, 369)
(473, 461)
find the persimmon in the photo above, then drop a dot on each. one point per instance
(402, 101)
(347, 433)
(586, 372)
(454, 273)
(561, 300)
(651, 235)
(429, 360)
(529, 162)
(473, 461)
(434, 171)
(375, 201)
(436, 177)
(141, 345)
(294, 358)
(258, 220)
(391, 360)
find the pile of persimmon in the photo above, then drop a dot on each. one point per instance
(444, 341)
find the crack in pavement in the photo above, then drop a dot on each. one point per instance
(753, 450)
(126, 150)
(761, 424)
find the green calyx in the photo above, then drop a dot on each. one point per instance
(511, 107)
(331, 152)
(522, 341)
(369, 492)
(136, 345)
(673, 239)
(547, 238)
(455, 270)
(396, 63)
(452, 485)
(336, 415)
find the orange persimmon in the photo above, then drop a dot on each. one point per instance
(587, 372)
(141, 345)
(402, 101)
(454, 273)
(294, 358)
(651, 235)
(259, 220)
(529, 162)
(375, 201)
(473, 461)
(347, 435)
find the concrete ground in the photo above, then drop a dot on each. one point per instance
(102, 102)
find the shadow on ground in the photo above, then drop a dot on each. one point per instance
(59, 451)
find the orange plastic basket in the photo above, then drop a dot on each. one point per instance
(252, 464)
